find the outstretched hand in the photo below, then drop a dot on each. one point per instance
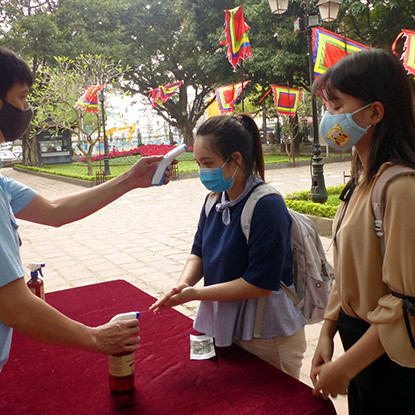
(179, 294)
(143, 171)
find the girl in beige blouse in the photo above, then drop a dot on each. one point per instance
(370, 105)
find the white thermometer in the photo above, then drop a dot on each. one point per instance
(158, 178)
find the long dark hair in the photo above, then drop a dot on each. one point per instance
(13, 69)
(378, 75)
(226, 134)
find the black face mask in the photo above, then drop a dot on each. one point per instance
(14, 121)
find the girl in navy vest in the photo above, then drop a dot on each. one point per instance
(235, 272)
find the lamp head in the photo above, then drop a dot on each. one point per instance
(329, 9)
(278, 6)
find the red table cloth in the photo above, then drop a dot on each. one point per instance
(41, 379)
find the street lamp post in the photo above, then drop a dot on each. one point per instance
(328, 11)
(106, 159)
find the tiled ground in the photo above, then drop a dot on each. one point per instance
(144, 237)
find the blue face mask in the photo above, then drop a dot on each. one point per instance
(213, 180)
(340, 131)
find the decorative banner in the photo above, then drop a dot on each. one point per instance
(329, 48)
(226, 96)
(286, 99)
(168, 90)
(154, 97)
(408, 54)
(89, 100)
(213, 109)
(163, 93)
(236, 36)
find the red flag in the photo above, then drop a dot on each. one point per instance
(89, 100)
(286, 99)
(226, 96)
(237, 36)
(329, 48)
(163, 93)
(408, 55)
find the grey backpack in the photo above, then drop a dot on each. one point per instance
(312, 275)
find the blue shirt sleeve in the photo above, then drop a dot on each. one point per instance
(269, 245)
(19, 195)
(13, 197)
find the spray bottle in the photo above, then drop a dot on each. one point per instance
(122, 366)
(35, 284)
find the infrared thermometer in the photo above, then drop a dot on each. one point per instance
(159, 175)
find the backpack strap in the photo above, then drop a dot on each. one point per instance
(248, 210)
(246, 218)
(210, 201)
(379, 197)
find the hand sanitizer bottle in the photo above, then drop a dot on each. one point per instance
(122, 366)
(35, 284)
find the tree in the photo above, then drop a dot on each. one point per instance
(172, 40)
(59, 88)
(279, 57)
(375, 23)
(178, 41)
(28, 27)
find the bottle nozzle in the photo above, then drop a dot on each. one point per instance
(35, 268)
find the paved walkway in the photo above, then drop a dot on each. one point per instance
(144, 238)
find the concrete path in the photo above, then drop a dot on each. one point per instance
(144, 238)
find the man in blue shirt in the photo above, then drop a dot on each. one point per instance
(17, 304)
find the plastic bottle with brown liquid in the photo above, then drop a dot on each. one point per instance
(122, 366)
(35, 283)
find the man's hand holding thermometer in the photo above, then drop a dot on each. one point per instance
(159, 175)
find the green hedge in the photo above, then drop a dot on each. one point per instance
(60, 173)
(301, 202)
(310, 208)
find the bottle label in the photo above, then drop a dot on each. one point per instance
(121, 366)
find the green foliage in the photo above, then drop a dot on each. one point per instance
(301, 202)
(57, 90)
(375, 23)
(172, 40)
(332, 191)
(310, 208)
(187, 164)
(58, 171)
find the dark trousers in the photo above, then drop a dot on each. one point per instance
(384, 387)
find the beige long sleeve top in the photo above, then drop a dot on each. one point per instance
(363, 282)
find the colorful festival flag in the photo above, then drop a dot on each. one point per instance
(329, 48)
(408, 54)
(226, 96)
(286, 99)
(236, 36)
(153, 96)
(163, 93)
(89, 100)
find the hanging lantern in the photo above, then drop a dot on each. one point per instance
(329, 9)
(278, 6)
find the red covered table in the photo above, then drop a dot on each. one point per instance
(41, 379)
